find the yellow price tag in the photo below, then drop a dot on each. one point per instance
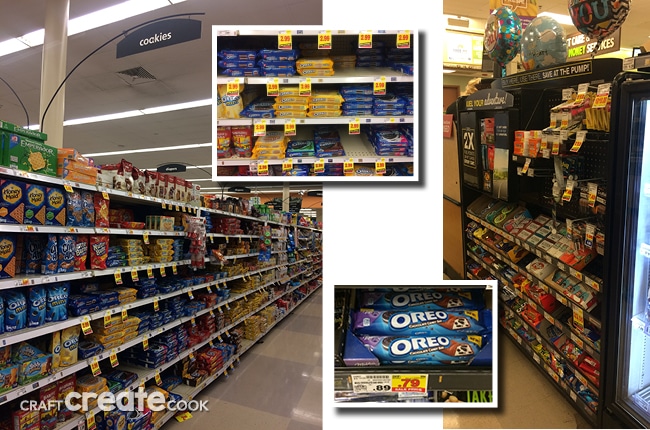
(556, 148)
(184, 209)
(163, 271)
(125, 314)
(145, 237)
(118, 277)
(232, 88)
(192, 321)
(319, 166)
(105, 195)
(526, 166)
(177, 208)
(183, 416)
(354, 127)
(287, 165)
(325, 39)
(85, 325)
(211, 344)
(304, 88)
(290, 128)
(211, 239)
(263, 168)
(259, 128)
(191, 355)
(68, 188)
(380, 166)
(209, 289)
(272, 88)
(568, 192)
(150, 272)
(156, 306)
(403, 39)
(164, 205)
(90, 421)
(157, 377)
(134, 275)
(108, 320)
(365, 39)
(174, 269)
(578, 319)
(113, 358)
(284, 40)
(211, 313)
(94, 366)
(580, 138)
(191, 296)
(145, 342)
(379, 86)
(220, 338)
(601, 101)
(348, 167)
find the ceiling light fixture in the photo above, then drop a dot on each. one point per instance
(100, 118)
(157, 149)
(562, 19)
(87, 22)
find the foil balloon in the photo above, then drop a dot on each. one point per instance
(543, 43)
(502, 35)
(598, 18)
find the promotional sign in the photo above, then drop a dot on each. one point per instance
(489, 99)
(581, 47)
(447, 125)
(159, 34)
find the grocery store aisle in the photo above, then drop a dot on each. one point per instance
(277, 385)
(527, 399)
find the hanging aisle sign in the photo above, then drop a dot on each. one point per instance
(159, 34)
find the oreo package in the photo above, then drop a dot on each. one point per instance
(36, 301)
(423, 323)
(422, 300)
(430, 350)
(15, 311)
(57, 302)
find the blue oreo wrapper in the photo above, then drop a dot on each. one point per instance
(88, 349)
(422, 300)
(67, 244)
(236, 64)
(37, 300)
(422, 323)
(57, 302)
(431, 350)
(15, 311)
(278, 54)
(239, 55)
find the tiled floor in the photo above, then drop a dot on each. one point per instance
(528, 400)
(277, 386)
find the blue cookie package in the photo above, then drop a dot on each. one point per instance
(242, 72)
(364, 90)
(278, 54)
(37, 300)
(267, 64)
(57, 302)
(236, 64)
(15, 310)
(274, 72)
(422, 323)
(66, 244)
(240, 55)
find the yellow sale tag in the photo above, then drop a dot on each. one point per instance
(319, 166)
(68, 188)
(365, 39)
(232, 88)
(263, 168)
(526, 166)
(94, 367)
(90, 421)
(105, 195)
(220, 338)
(163, 271)
(156, 306)
(403, 39)
(108, 320)
(272, 88)
(145, 342)
(325, 39)
(211, 344)
(348, 167)
(157, 377)
(177, 208)
(209, 289)
(284, 40)
(118, 277)
(380, 166)
(259, 128)
(556, 148)
(578, 319)
(125, 314)
(568, 193)
(354, 126)
(211, 239)
(183, 416)
(150, 272)
(409, 383)
(85, 325)
(287, 165)
(191, 355)
(601, 101)
(134, 275)
(192, 321)
(164, 205)
(290, 128)
(211, 313)
(113, 358)
(379, 86)
(184, 209)
(191, 296)
(304, 88)
(174, 269)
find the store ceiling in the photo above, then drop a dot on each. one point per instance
(182, 75)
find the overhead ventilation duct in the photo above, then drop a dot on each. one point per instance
(136, 75)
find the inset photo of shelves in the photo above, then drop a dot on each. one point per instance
(319, 104)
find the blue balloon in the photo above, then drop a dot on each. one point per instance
(502, 35)
(544, 44)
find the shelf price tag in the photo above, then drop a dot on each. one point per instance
(108, 320)
(319, 166)
(526, 166)
(568, 192)
(564, 123)
(371, 383)
(145, 342)
(174, 269)
(90, 420)
(348, 167)
(113, 358)
(68, 188)
(544, 143)
(125, 314)
(287, 165)
(578, 319)
(365, 39)
(590, 232)
(409, 383)
(290, 128)
(118, 276)
(259, 128)
(163, 271)
(580, 138)
(556, 145)
(593, 193)
(325, 39)
(190, 295)
(567, 93)
(582, 92)
(263, 168)
(379, 86)
(156, 306)
(232, 88)
(150, 272)
(354, 126)
(272, 87)
(304, 88)
(602, 96)
(403, 39)
(94, 366)
(85, 325)
(134, 275)
(380, 166)
(157, 377)
(284, 40)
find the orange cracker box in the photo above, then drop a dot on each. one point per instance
(12, 208)
(34, 200)
(7, 256)
(55, 207)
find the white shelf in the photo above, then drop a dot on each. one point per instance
(399, 119)
(303, 32)
(357, 75)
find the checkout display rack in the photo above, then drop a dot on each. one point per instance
(359, 151)
(292, 281)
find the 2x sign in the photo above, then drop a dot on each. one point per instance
(158, 35)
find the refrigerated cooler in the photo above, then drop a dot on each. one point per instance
(627, 365)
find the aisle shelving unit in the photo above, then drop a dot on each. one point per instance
(357, 147)
(305, 274)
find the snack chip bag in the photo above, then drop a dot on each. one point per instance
(66, 247)
(80, 253)
(98, 252)
(50, 261)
